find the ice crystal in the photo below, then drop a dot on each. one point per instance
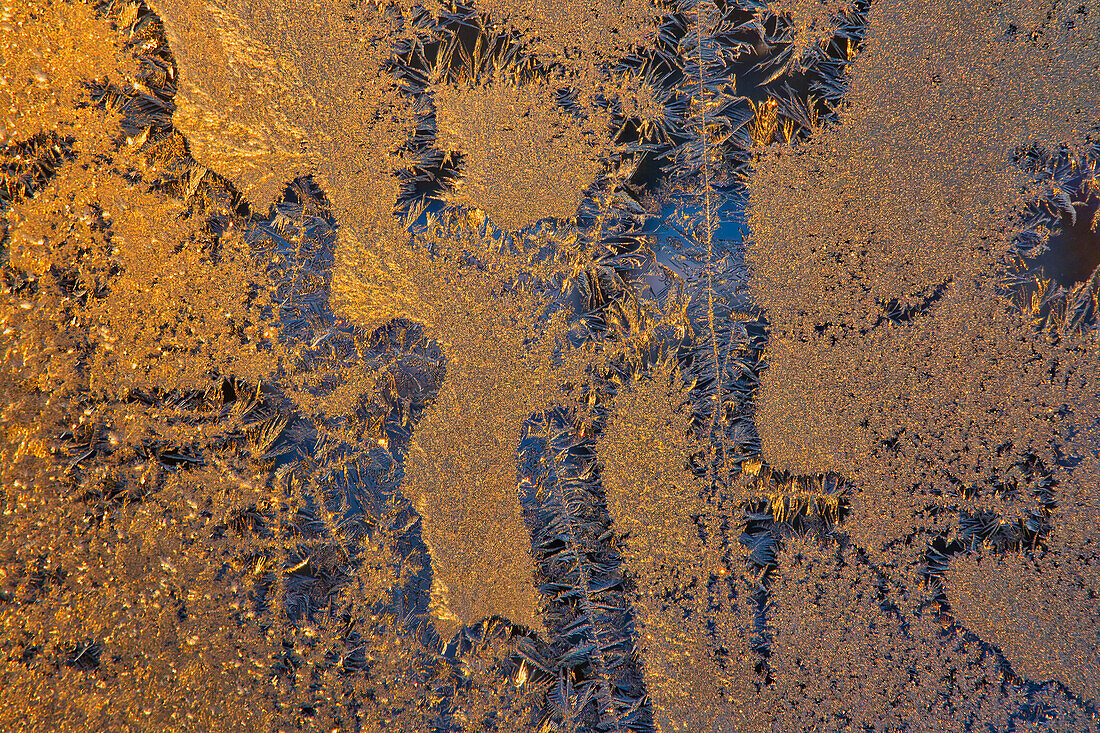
(524, 159)
(413, 366)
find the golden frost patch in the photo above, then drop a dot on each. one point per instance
(525, 158)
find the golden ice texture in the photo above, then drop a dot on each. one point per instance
(270, 92)
(525, 158)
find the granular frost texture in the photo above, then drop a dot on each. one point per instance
(496, 365)
(270, 93)
(524, 158)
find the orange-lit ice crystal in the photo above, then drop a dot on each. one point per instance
(269, 92)
(905, 203)
(46, 52)
(500, 368)
(525, 159)
(578, 33)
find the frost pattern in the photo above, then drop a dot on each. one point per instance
(390, 455)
